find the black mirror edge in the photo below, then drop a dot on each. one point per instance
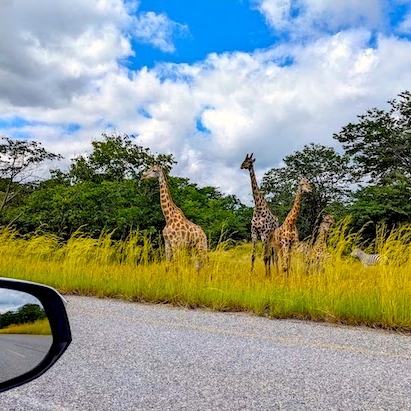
(54, 306)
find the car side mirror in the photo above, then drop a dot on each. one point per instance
(34, 331)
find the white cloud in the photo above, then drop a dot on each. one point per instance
(312, 17)
(52, 53)
(57, 51)
(405, 26)
(208, 114)
(158, 30)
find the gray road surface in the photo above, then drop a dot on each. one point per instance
(142, 357)
(20, 353)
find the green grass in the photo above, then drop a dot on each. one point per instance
(343, 291)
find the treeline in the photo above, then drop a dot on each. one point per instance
(28, 313)
(102, 191)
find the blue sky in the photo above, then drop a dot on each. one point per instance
(207, 81)
(212, 26)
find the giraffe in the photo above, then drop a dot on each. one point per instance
(318, 251)
(283, 238)
(263, 221)
(179, 232)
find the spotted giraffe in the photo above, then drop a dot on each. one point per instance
(263, 221)
(318, 251)
(283, 238)
(179, 232)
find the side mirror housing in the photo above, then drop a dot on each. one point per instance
(34, 330)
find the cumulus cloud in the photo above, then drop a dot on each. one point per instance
(158, 30)
(54, 53)
(300, 18)
(209, 114)
(405, 25)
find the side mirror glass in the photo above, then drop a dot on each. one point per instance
(25, 333)
(34, 331)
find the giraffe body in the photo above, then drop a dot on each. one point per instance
(263, 221)
(318, 252)
(179, 232)
(283, 238)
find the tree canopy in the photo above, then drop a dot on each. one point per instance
(370, 179)
(329, 174)
(102, 191)
(380, 142)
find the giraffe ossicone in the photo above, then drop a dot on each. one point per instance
(317, 253)
(263, 221)
(283, 238)
(179, 232)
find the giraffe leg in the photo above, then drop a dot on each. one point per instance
(286, 260)
(201, 248)
(168, 254)
(274, 257)
(254, 239)
(201, 259)
(267, 258)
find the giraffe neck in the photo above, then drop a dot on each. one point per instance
(259, 201)
(170, 210)
(321, 235)
(293, 214)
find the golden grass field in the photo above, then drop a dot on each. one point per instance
(343, 291)
(39, 327)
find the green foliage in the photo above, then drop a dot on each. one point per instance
(92, 206)
(380, 143)
(127, 205)
(28, 313)
(18, 160)
(389, 204)
(329, 174)
(116, 158)
(102, 190)
(222, 217)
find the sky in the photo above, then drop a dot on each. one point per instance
(12, 300)
(207, 81)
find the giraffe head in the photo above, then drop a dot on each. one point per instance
(305, 186)
(248, 162)
(152, 172)
(328, 220)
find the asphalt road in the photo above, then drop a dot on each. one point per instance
(20, 353)
(143, 357)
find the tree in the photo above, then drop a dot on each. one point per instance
(329, 174)
(380, 147)
(62, 208)
(116, 158)
(387, 203)
(27, 313)
(380, 143)
(18, 161)
(222, 217)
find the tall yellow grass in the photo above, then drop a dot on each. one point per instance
(342, 291)
(39, 327)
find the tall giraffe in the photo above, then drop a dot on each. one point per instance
(283, 238)
(263, 221)
(318, 252)
(179, 232)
